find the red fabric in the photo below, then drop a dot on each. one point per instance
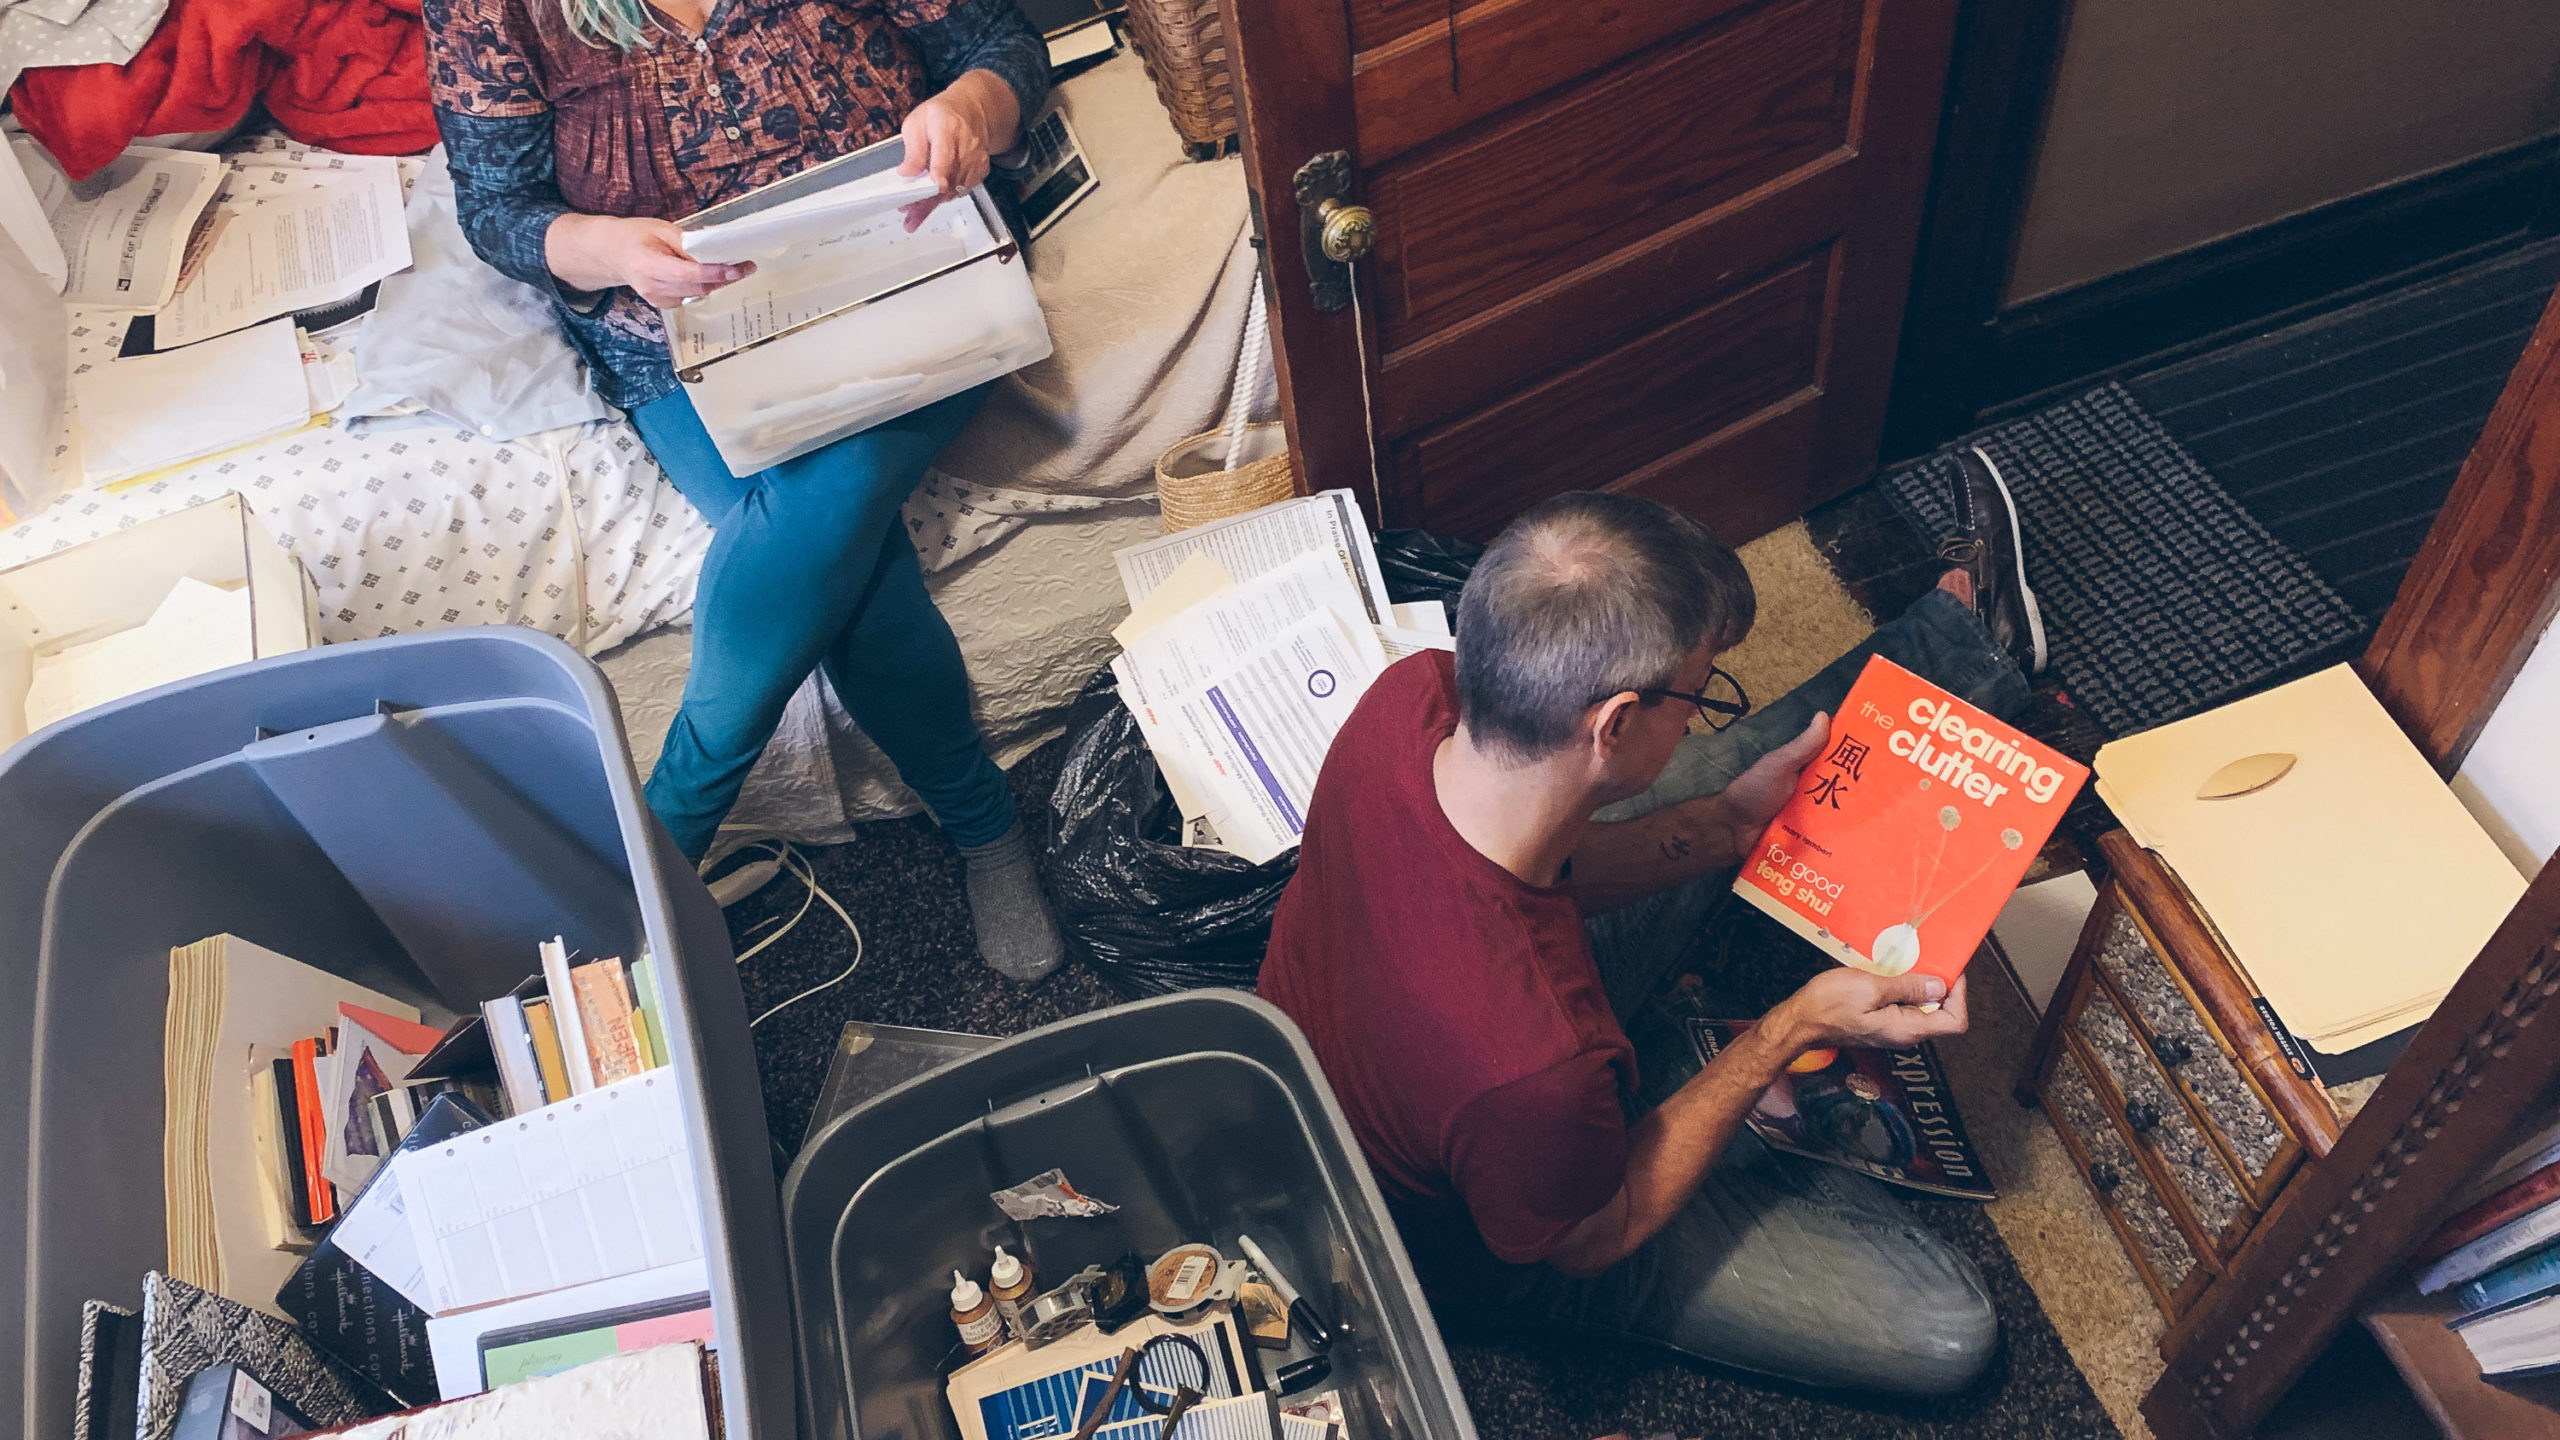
(347, 74)
(198, 71)
(356, 79)
(1457, 1010)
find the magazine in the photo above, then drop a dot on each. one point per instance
(1908, 833)
(1885, 1113)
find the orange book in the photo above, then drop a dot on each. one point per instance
(604, 1012)
(315, 1129)
(1910, 829)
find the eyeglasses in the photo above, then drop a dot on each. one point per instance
(1724, 698)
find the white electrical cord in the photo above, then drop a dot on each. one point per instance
(788, 856)
(1368, 412)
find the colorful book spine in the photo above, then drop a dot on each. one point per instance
(289, 1131)
(315, 1137)
(645, 998)
(511, 1042)
(604, 1015)
(2531, 1193)
(546, 1049)
(564, 994)
(2526, 1232)
(2523, 1277)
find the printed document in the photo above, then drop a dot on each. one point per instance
(1266, 539)
(123, 231)
(1265, 726)
(850, 258)
(1206, 640)
(313, 241)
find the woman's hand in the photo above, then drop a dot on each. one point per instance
(599, 252)
(951, 136)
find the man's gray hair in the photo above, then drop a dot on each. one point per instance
(1584, 596)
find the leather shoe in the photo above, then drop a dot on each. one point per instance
(1987, 546)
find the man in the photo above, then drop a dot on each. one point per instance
(1506, 856)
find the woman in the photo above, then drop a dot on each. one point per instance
(574, 129)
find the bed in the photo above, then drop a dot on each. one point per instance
(576, 533)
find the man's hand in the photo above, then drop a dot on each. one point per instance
(951, 136)
(599, 252)
(1759, 793)
(1852, 1007)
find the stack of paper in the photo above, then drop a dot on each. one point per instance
(2353, 888)
(1248, 643)
(141, 414)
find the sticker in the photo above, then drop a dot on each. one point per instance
(251, 1402)
(2285, 1042)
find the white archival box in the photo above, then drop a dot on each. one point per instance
(95, 589)
(858, 320)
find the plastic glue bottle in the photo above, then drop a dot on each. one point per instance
(981, 1328)
(1012, 1281)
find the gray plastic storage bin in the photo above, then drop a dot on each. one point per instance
(1200, 1115)
(413, 813)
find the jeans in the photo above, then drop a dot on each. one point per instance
(810, 569)
(1779, 1265)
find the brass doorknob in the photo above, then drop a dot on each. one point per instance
(1349, 231)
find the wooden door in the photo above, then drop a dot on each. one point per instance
(1652, 245)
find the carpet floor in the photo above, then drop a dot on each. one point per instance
(900, 882)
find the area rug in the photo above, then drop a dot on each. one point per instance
(2161, 595)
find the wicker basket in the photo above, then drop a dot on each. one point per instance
(1183, 44)
(1193, 489)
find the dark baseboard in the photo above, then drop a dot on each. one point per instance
(2258, 280)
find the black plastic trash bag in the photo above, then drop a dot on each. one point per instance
(1150, 914)
(1419, 565)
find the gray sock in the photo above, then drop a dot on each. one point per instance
(1016, 935)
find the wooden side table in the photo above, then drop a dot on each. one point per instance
(2169, 1092)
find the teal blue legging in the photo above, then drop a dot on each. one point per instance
(810, 569)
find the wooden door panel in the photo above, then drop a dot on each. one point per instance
(1616, 414)
(1489, 354)
(1648, 245)
(1607, 162)
(1376, 22)
(1509, 51)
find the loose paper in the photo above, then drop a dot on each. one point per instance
(123, 231)
(1197, 578)
(1265, 727)
(318, 236)
(812, 218)
(1260, 540)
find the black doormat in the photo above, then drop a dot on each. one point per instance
(2343, 433)
(901, 882)
(2161, 595)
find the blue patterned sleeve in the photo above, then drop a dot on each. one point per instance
(968, 35)
(506, 194)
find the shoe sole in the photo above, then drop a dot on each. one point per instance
(2017, 560)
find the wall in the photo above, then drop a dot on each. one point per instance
(2511, 778)
(2176, 122)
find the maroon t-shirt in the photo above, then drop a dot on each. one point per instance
(1455, 1008)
